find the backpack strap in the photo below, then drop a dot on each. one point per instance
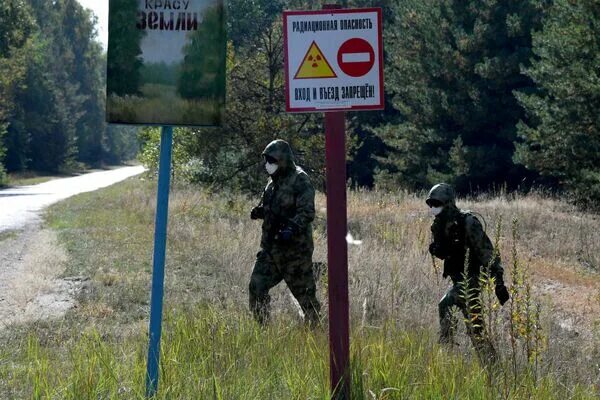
(476, 215)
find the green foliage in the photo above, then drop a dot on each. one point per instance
(121, 143)
(149, 139)
(452, 67)
(255, 115)
(3, 176)
(473, 97)
(562, 130)
(40, 142)
(247, 18)
(16, 28)
(52, 87)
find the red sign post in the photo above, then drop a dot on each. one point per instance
(312, 40)
(337, 255)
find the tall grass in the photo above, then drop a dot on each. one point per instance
(219, 354)
(213, 350)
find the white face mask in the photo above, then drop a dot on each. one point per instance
(271, 168)
(436, 210)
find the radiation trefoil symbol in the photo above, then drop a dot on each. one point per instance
(314, 65)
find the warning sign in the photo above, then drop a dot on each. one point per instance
(333, 60)
(314, 65)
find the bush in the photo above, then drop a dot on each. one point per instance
(3, 176)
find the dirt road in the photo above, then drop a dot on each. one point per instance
(21, 206)
(31, 258)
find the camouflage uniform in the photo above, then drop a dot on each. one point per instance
(456, 232)
(288, 202)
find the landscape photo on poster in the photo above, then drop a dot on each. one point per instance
(166, 62)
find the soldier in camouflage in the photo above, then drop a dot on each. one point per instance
(457, 233)
(287, 209)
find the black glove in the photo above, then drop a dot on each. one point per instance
(285, 234)
(436, 250)
(257, 213)
(502, 294)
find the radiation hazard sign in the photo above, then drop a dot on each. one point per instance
(333, 60)
(314, 65)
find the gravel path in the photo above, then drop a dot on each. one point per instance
(31, 258)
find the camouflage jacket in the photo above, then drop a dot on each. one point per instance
(287, 201)
(456, 233)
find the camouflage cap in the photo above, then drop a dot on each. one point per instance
(441, 192)
(282, 152)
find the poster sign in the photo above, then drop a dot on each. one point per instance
(166, 62)
(333, 60)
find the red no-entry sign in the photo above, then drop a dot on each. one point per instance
(356, 57)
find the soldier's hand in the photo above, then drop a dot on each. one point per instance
(502, 294)
(432, 248)
(257, 213)
(435, 250)
(286, 234)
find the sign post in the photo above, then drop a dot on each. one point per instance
(333, 64)
(337, 255)
(158, 268)
(165, 68)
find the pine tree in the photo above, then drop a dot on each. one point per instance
(16, 26)
(452, 69)
(87, 70)
(562, 130)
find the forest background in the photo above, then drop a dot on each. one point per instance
(485, 95)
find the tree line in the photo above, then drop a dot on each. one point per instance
(52, 86)
(501, 95)
(481, 94)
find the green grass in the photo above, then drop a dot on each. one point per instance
(210, 353)
(29, 178)
(211, 347)
(7, 235)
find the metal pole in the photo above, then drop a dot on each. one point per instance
(337, 255)
(158, 269)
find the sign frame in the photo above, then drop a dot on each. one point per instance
(379, 106)
(164, 68)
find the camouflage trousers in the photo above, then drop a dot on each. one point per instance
(473, 317)
(297, 272)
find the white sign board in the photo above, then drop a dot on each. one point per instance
(333, 60)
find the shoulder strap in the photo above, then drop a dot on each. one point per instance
(476, 215)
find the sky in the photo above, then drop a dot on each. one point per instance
(100, 9)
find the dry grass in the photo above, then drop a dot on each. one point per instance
(211, 249)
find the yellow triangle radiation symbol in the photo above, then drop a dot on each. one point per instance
(314, 65)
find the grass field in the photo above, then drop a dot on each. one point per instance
(213, 350)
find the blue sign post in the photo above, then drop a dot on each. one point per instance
(158, 269)
(179, 43)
